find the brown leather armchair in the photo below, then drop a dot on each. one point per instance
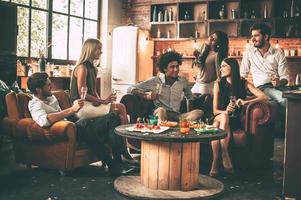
(252, 146)
(54, 147)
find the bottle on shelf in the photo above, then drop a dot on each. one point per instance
(170, 14)
(277, 46)
(166, 16)
(246, 15)
(42, 62)
(285, 15)
(158, 33)
(168, 33)
(160, 16)
(253, 16)
(186, 16)
(196, 34)
(222, 13)
(233, 13)
(293, 8)
(204, 15)
(265, 11)
(155, 14)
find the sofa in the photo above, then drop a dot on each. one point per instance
(251, 146)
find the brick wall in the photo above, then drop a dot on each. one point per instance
(139, 10)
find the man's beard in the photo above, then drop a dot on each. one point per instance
(45, 94)
(260, 45)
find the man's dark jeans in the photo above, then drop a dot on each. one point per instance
(98, 132)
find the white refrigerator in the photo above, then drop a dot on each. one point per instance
(132, 61)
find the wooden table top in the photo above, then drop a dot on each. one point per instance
(171, 135)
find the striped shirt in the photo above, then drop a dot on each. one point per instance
(170, 97)
(272, 63)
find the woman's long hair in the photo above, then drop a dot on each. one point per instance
(236, 86)
(222, 48)
(88, 50)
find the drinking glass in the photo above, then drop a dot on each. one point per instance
(272, 76)
(114, 93)
(232, 102)
(184, 125)
(158, 88)
(298, 79)
(83, 92)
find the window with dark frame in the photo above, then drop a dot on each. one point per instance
(55, 28)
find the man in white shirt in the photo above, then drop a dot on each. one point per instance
(267, 65)
(96, 132)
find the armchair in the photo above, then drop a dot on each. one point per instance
(54, 147)
(252, 146)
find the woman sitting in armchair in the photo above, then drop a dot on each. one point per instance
(84, 76)
(229, 95)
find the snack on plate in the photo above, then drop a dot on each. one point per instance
(168, 123)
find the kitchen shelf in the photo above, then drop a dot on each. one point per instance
(206, 14)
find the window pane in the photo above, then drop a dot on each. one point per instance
(38, 33)
(91, 8)
(40, 4)
(76, 7)
(60, 6)
(22, 39)
(75, 38)
(25, 2)
(90, 29)
(59, 36)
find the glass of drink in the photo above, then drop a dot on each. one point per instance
(298, 79)
(184, 126)
(273, 76)
(158, 88)
(114, 93)
(232, 102)
(83, 92)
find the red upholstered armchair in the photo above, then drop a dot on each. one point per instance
(252, 145)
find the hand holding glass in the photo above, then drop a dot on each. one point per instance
(83, 92)
(114, 93)
(233, 103)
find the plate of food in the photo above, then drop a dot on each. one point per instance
(206, 129)
(168, 123)
(147, 128)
